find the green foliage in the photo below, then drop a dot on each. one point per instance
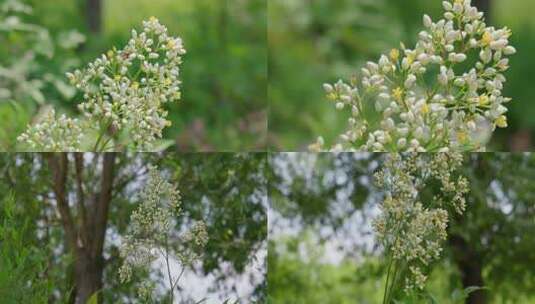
(291, 279)
(21, 260)
(32, 63)
(315, 181)
(295, 279)
(212, 187)
(16, 117)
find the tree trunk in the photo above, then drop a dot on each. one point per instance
(470, 265)
(88, 277)
(94, 15)
(85, 230)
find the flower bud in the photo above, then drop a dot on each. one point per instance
(427, 21)
(509, 50)
(457, 8)
(328, 88)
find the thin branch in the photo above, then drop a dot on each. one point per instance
(59, 166)
(178, 278)
(387, 279)
(172, 290)
(103, 203)
(79, 166)
(127, 179)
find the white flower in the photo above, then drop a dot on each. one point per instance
(509, 50)
(447, 5)
(411, 79)
(152, 230)
(427, 21)
(390, 88)
(412, 231)
(125, 90)
(53, 134)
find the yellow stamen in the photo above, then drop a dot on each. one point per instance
(486, 39)
(332, 96)
(398, 93)
(410, 58)
(483, 100)
(501, 122)
(425, 108)
(462, 136)
(394, 54)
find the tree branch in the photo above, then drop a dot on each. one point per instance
(128, 178)
(79, 166)
(59, 166)
(103, 203)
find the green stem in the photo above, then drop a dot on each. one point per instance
(387, 279)
(99, 146)
(393, 283)
(102, 131)
(171, 287)
(98, 141)
(104, 144)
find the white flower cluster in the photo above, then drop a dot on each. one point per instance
(151, 235)
(435, 97)
(124, 91)
(127, 88)
(412, 231)
(54, 133)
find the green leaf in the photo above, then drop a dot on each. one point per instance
(163, 144)
(93, 299)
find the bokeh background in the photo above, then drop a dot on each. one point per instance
(312, 42)
(224, 74)
(322, 247)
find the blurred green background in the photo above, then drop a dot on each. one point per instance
(312, 42)
(223, 104)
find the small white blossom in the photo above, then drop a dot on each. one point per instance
(410, 230)
(151, 233)
(125, 90)
(53, 133)
(439, 115)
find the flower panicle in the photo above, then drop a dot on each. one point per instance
(151, 234)
(411, 230)
(458, 112)
(125, 90)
